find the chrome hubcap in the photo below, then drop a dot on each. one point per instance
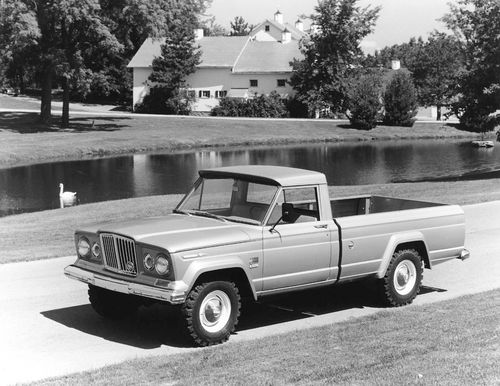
(215, 311)
(405, 277)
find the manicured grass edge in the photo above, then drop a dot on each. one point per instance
(436, 343)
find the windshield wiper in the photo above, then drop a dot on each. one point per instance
(243, 220)
(202, 213)
(180, 211)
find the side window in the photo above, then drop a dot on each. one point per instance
(305, 203)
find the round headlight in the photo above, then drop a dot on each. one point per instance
(149, 262)
(161, 264)
(96, 250)
(83, 247)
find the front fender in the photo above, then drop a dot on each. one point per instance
(213, 265)
(394, 241)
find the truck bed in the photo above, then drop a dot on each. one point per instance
(353, 206)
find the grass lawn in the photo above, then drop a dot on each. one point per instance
(41, 235)
(23, 141)
(454, 342)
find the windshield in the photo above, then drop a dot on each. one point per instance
(229, 200)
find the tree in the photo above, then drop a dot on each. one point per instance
(364, 100)
(132, 22)
(476, 25)
(436, 71)
(320, 78)
(179, 58)
(239, 27)
(18, 30)
(400, 100)
(57, 39)
(211, 28)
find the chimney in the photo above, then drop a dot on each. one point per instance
(299, 25)
(395, 64)
(278, 17)
(286, 36)
(198, 33)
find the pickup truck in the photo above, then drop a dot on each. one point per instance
(251, 231)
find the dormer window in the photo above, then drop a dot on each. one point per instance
(267, 28)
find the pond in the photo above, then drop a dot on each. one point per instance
(36, 187)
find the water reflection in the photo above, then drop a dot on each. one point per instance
(32, 188)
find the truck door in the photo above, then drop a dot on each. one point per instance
(299, 252)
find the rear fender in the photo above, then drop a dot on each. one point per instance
(392, 245)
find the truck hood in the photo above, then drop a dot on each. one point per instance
(178, 232)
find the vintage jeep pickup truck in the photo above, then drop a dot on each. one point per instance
(251, 231)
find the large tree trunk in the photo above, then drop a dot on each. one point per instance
(65, 108)
(46, 107)
(438, 108)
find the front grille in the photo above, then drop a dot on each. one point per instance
(119, 254)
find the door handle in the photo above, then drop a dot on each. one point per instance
(322, 226)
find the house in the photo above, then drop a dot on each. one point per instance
(231, 66)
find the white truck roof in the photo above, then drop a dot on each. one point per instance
(276, 175)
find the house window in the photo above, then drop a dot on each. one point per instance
(221, 94)
(267, 28)
(191, 93)
(204, 94)
(254, 83)
(281, 82)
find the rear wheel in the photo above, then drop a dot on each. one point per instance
(211, 312)
(403, 278)
(111, 304)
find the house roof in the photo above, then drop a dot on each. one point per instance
(258, 57)
(150, 49)
(216, 51)
(239, 53)
(221, 51)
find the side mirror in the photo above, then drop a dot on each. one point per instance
(288, 213)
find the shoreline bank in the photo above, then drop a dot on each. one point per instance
(24, 142)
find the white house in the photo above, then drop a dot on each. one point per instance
(232, 66)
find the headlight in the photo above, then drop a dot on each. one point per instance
(149, 262)
(96, 250)
(162, 265)
(83, 247)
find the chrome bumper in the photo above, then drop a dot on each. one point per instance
(465, 254)
(117, 285)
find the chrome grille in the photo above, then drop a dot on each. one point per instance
(119, 254)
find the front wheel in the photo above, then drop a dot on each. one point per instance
(211, 312)
(403, 278)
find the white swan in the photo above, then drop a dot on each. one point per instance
(66, 196)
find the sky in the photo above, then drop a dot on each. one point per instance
(398, 21)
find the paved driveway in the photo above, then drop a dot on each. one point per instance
(48, 327)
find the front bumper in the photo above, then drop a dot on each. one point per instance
(165, 294)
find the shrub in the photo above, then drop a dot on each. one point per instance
(161, 100)
(296, 108)
(264, 106)
(400, 100)
(364, 100)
